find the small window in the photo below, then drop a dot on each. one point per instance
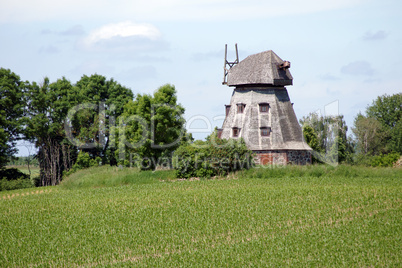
(227, 109)
(240, 108)
(264, 107)
(265, 131)
(236, 132)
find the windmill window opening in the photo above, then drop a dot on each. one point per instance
(236, 132)
(227, 109)
(240, 107)
(264, 107)
(265, 131)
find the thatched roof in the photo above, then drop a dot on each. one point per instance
(260, 69)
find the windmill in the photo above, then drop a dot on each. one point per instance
(260, 110)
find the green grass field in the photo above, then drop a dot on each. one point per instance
(24, 169)
(299, 216)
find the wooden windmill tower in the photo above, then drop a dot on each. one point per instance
(260, 110)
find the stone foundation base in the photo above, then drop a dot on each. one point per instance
(282, 157)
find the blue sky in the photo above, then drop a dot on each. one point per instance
(344, 51)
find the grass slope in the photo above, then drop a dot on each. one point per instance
(301, 216)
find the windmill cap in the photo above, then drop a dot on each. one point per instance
(265, 68)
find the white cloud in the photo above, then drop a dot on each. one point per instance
(44, 10)
(123, 37)
(123, 29)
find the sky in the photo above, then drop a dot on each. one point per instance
(343, 53)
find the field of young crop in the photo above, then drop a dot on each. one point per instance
(304, 216)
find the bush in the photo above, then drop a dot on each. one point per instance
(12, 174)
(386, 160)
(84, 161)
(211, 158)
(12, 179)
(6, 185)
(36, 181)
(381, 160)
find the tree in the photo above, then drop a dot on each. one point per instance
(328, 136)
(388, 111)
(310, 136)
(92, 126)
(151, 128)
(11, 113)
(48, 105)
(85, 110)
(370, 135)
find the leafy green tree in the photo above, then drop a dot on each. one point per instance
(12, 104)
(60, 114)
(328, 138)
(310, 136)
(92, 125)
(151, 128)
(48, 105)
(370, 135)
(388, 111)
(167, 122)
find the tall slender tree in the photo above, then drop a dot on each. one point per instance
(12, 104)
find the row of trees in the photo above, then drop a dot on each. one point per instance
(327, 136)
(63, 119)
(102, 120)
(377, 132)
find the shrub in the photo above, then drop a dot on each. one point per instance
(381, 160)
(36, 181)
(83, 161)
(12, 179)
(386, 160)
(6, 185)
(12, 174)
(211, 158)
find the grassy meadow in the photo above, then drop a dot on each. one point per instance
(298, 216)
(24, 169)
